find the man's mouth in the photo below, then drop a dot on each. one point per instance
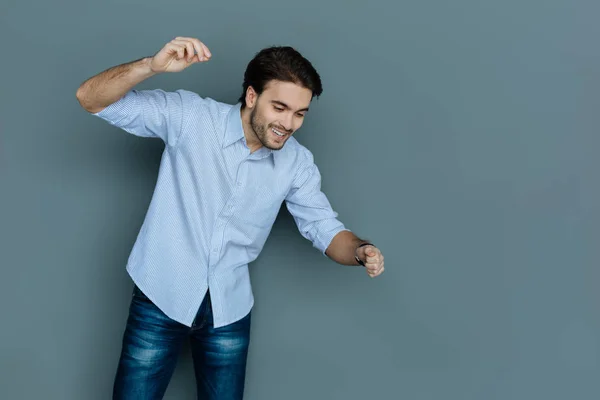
(278, 132)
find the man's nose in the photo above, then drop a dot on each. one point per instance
(288, 123)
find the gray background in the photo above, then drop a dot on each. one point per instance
(461, 137)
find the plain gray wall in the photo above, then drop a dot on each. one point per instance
(461, 137)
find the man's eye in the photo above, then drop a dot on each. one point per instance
(279, 108)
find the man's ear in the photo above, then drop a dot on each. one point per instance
(251, 97)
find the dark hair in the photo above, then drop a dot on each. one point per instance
(282, 63)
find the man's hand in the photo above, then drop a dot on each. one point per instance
(372, 258)
(179, 54)
(109, 86)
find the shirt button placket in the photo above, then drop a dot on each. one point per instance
(214, 249)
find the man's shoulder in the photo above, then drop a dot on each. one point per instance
(297, 150)
(194, 100)
(205, 113)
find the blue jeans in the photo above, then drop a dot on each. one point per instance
(152, 342)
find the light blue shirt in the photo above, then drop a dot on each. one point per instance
(214, 203)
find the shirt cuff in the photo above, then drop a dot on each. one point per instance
(326, 233)
(116, 111)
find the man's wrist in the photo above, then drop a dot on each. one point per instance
(356, 251)
(147, 63)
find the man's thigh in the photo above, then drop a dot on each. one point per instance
(220, 359)
(151, 345)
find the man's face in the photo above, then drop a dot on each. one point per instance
(278, 112)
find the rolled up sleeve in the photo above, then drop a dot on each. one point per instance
(149, 113)
(310, 208)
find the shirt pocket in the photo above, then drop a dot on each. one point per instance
(262, 206)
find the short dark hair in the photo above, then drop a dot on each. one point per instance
(282, 63)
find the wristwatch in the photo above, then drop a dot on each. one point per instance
(358, 260)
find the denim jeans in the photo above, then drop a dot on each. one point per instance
(152, 342)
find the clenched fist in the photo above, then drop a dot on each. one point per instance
(179, 54)
(372, 258)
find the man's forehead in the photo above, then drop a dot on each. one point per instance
(289, 94)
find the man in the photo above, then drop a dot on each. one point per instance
(225, 171)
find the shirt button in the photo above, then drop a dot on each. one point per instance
(239, 184)
(230, 208)
(215, 250)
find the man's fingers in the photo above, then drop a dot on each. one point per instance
(201, 51)
(191, 53)
(374, 268)
(174, 49)
(188, 48)
(374, 273)
(372, 259)
(199, 47)
(373, 256)
(180, 44)
(180, 51)
(371, 251)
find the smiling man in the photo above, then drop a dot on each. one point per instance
(225, 171)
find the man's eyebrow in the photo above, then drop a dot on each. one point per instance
(281, 103)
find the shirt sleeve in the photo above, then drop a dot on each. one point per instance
(310, 208)
(149, 113)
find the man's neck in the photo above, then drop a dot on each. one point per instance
(251, 139)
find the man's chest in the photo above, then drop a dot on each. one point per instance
(238, 186)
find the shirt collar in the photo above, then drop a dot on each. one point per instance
(234, 131)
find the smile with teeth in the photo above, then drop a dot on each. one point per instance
(277, 132)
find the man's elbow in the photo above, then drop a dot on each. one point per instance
(80, 95)
(83, 99)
